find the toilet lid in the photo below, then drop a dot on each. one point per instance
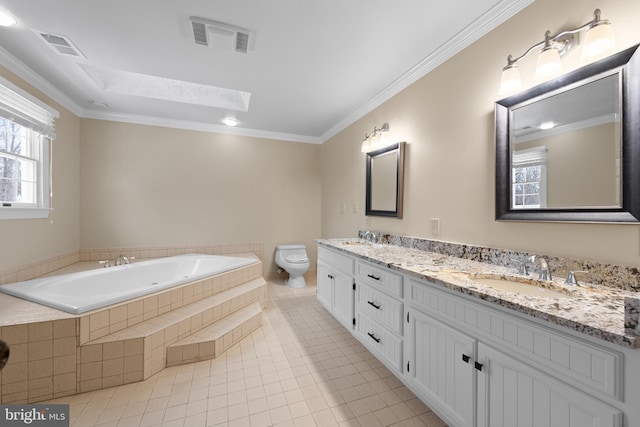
(297, 259)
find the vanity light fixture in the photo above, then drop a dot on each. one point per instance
(373, 140)
(598, 40)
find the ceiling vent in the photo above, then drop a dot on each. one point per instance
(220, 35)
(60, 44)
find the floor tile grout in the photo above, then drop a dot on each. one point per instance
(302, 368)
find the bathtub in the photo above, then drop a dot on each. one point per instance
(77, 293)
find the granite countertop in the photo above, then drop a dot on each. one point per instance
(594, 310)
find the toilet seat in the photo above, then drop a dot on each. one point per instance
(297, 259)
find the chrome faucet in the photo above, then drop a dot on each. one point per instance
(523, 265)
(545, 271)
(121, 259)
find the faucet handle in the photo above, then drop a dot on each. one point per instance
(571, 277)
(129, 259)
(105, 263)
(523, 269)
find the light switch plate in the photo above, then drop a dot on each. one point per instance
(435, 226)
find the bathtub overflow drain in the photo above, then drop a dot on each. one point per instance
(154, 283)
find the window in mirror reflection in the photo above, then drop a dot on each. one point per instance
(529, 178)
(565, 149)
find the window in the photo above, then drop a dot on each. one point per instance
(529, 180)
(26, 132)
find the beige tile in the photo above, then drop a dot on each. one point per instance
(91, 353)
(113, 350)
(64, 328)
(40, 368)
(133, 347)
(64, 364)
(39, 350)
(15, 334)
(40, 331)
(90, 371)
(64, 346)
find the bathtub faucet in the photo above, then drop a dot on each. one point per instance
(121, 259)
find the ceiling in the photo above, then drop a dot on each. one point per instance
(312, 68)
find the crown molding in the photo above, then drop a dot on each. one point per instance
(18, 68)
(198, 126)
(481, 26)
(502, 11)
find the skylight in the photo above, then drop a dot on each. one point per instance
(135, 84)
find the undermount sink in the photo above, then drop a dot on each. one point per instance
(522, 286)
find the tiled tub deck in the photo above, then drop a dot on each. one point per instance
(55, 354)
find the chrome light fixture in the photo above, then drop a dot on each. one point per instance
(598, 40)
(373, 140)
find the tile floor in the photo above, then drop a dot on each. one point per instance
(302, 368)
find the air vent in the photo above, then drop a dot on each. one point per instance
(220, 35)
(60, 44)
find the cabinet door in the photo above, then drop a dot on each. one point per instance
(442, 367)
(324, 285)
(513, 394)
(343, 298)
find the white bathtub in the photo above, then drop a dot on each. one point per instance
(87, 290)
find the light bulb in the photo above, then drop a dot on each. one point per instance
(549, 64)
(7, 20)
(598, 41)
(366, 146)
(510, 80)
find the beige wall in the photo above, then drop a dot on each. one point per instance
(581, 166)
(154, 186)
(446, 118)
(26, 241)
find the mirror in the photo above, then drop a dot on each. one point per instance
(385, 181)
(568, 149)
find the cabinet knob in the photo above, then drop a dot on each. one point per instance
(377, 307)
(330, 276)
(465, 358)
(478, 366)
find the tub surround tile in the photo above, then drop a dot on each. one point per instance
(592, 309)
(55, 358)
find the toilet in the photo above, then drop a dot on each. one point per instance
(293, 259)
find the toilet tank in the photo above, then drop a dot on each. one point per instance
(291, 249)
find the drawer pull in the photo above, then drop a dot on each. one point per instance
(373, 277)
(377, 307)
(465, 358)
(330, 276)
(478, 366)
(373, 337)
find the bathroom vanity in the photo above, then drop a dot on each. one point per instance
(479, 356)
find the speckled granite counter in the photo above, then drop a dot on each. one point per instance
(594, 310)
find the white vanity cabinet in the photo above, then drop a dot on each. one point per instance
(475, 363)
(513, 394)
(335, 285)
(441, 367)
(379, 312)
(477, 366)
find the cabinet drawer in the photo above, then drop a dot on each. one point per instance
(336, 260)
(380, 307)
(379, 277)
(578, 362)
(382, 342)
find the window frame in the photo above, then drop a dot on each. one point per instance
(44, 141)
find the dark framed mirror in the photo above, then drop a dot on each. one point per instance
(569, 149)
(385, 181)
